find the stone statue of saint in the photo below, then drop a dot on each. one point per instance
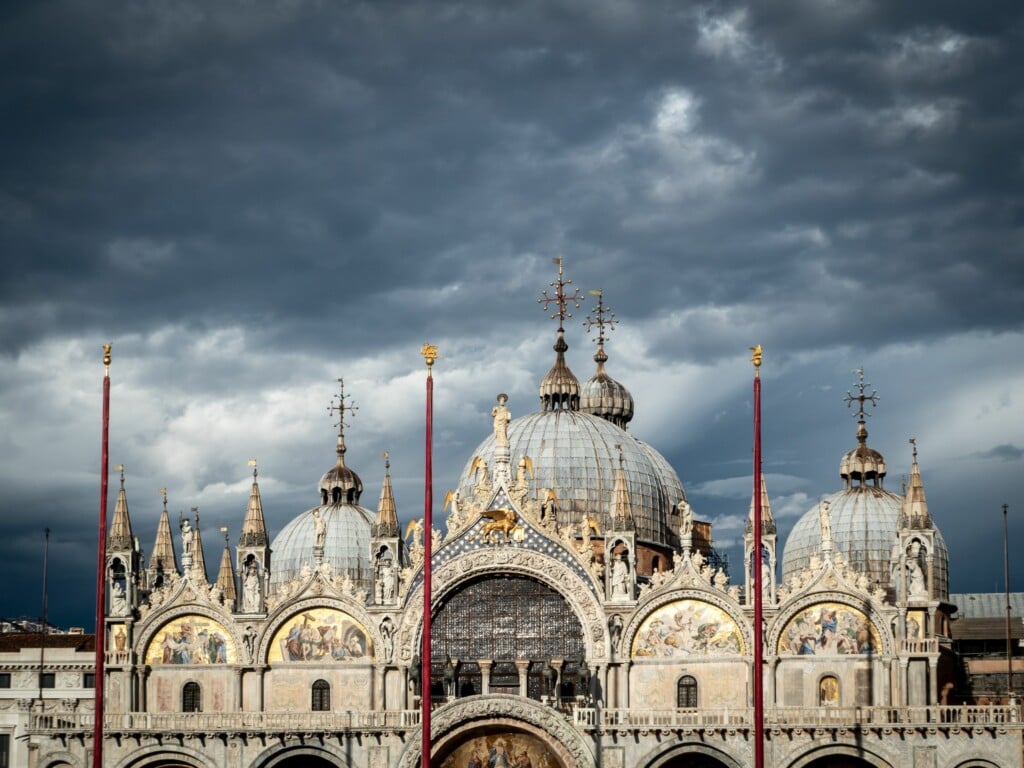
(319, 530)
(387, 636)
(915, 577)
(615, 629)
(685, 518)
(249, 639)
(825, 521)
(251, 589)
(620, 577)
(186, 537)
(501, 420)
(118, 600)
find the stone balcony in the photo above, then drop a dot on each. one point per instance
(996, 719)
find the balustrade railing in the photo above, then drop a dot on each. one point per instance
(582, 717)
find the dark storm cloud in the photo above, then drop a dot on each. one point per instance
(249, 197)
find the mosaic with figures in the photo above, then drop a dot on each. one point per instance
(688, 628)
(192, 640)
(502, 750)
(829, 628)
(320, 634)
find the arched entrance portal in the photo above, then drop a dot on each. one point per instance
(694, 760)
(302, 761)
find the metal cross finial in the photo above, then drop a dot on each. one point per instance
(600, 316)
(341, 407)
(224, 530)
(252, 463)
(913, 442)
(860, 398)
(195, 511)
(560, 299)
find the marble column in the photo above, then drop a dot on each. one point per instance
(523, 667)
(485, 675)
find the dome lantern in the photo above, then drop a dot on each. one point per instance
(602, 395)
(560, 389)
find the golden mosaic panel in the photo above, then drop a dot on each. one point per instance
(688, 628)
(829, 628)
(192, 639)
(320, 634)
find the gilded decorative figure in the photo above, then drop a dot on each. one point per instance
(502, 521)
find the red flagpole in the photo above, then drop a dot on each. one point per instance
(101, 567)
(429, 354)
(756, 564)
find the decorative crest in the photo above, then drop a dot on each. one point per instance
(560, 299)
(860, 398)
(600, 316)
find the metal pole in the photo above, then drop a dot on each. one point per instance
(756, 558)
(101, 568)
(1006, 582)
(42, 638)
(430, 354)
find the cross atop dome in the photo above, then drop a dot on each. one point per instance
(560, 299)
(341, 407)
(860, 398)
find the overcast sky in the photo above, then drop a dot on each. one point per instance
(251, 199)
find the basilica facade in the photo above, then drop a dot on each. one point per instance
(580, 620)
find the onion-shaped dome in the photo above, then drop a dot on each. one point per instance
(576, 455)
(605, 397)
(346, 544)
(560, 389)
(862, 463)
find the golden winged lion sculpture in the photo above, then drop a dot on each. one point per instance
(502, 521)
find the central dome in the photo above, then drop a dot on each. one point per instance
(576, 455)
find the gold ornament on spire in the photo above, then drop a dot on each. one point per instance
(560, 299)
(755, 358)
(106, 358)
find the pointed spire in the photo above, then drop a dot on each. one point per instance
(767, 521)
(226, 574)
(120, 536)
(386, 523)
(163, 557)
(254, 528)
(198, 558)
(915, 505)
(622, 508)
(560, 389)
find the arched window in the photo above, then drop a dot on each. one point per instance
(191, 698)
(321, 696)
(686, 692)
(505, 618)
(828, 691)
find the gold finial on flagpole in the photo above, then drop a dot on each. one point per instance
(106, 358)
(429, 352)
(755, 358)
